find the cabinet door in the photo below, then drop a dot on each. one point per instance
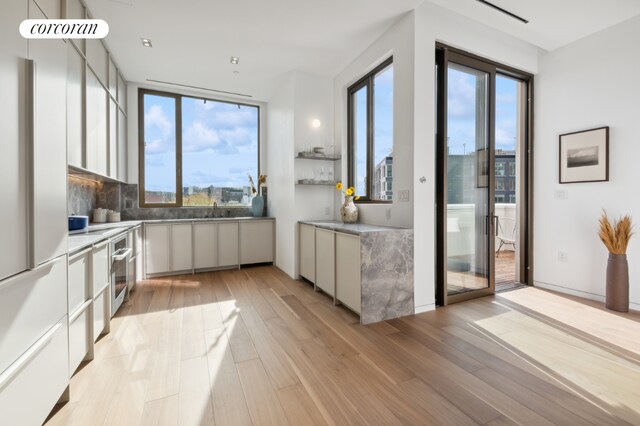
(96, 111)
(113, 139)
(227, 243)
(308, 252)
(204, 244)
(98, 59)
(51, 8)
(100, 270)
(113, 78)
(75, 107)
(13, 161)
(156, 248)
(326, 261)
(181, 247)
(49, 146)
(73, 9)
(348, 265)
(256, 241)
(122, 146)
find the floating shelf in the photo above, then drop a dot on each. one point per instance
(314, 182)
(314, 156)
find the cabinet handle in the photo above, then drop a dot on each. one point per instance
(31, 166)
(15, 368)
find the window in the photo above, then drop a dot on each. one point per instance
(499, 184)
(370, 127)
(512, 169)
(196, 152)
(499, 169)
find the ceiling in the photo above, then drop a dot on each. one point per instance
(552, 23)
(193, 40)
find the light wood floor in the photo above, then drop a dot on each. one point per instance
(255, 347)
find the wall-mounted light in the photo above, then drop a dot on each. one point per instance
(235, 60)
(315, 123)
(146, 42)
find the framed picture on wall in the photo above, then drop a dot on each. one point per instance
(482, 168)
(584, 156)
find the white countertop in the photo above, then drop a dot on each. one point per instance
(351, 228)
(99, 232)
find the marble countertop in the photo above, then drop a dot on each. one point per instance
(98, 232)
(351, 228)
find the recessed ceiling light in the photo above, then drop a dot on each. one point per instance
(146, 42)
(235, 60)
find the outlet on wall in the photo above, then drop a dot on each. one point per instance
(388, 213)
(562, 256)
(403, 195)
(561, 194)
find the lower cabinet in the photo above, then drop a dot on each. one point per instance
(347, 266)
(205, 245)
(33, 384)
(181, 247)
(101, 313)
(256, 241)
(168, 248)
(325, 249)
(80, 343)
(156, 248)
(308, 252)
(228, 244)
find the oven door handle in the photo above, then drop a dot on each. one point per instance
(121, 254)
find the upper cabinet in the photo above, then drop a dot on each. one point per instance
(98, 60)
(96, 124)
(113, 78)
(75, 107)
(50, 8)
(74, 9)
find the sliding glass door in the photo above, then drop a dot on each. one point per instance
(467, 169)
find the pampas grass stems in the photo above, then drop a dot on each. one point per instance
(615, 237)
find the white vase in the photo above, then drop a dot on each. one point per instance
(349, 211)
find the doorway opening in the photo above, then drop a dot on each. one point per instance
(484, 174)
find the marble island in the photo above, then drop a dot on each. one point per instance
(381, 287)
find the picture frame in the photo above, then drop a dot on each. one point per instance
(482, 168)
(584, 156)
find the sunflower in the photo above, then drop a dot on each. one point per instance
(339, 186)
(349, 191)
(357, 197)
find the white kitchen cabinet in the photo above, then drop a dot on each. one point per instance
(181, 247)
(75, 107)
(228, 244)
(96, 125)
(256, 241)
(156, 249)
(100, 268)
(122, 93)
(14, 160)
(348, 276)
(98, 59)
(49, 170)
(101, 313)
(326, 261)
(122, 146)
(205, 242)
(30, 304)
(113, 78)
(113, 140)
(80, 343)
(34, 383)
(308, 252)
(51, 8)
(79, 279)
(74, 9)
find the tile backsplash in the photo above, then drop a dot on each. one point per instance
(85, 195)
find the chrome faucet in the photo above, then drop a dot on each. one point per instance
(215, 207)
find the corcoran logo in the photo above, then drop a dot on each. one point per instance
(64, 28)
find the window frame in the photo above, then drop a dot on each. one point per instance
(368, 82)
(178, 125)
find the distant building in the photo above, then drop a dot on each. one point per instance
(505, 176)
(383, 180)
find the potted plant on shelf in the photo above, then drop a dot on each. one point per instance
(616, 238)
(257, 203)
(348, 211)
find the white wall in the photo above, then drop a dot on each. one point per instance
(279, 169)
(397, 41)
(297, 100)
(590, 83)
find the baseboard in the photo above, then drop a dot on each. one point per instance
(571, 291)
(634, 306)
(425, 308)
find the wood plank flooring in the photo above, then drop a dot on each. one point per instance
(252, 346)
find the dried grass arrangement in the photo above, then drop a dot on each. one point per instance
(615, 237)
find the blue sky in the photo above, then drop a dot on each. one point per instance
(461, 112)
(219, 143)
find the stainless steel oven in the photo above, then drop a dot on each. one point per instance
(119, 271)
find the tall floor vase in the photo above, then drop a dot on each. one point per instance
(617, 283)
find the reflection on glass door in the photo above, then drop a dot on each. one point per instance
(468, 199)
